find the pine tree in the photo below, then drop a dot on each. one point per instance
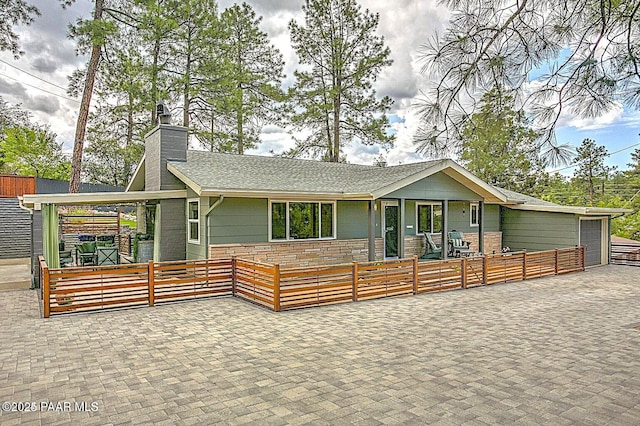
(247, 90)
(333, 97)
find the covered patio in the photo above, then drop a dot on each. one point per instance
(94, 238)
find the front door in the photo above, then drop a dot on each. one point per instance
(390, 229)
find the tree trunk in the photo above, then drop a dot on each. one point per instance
(336, 129)
(154, 82)
(187, 76)
(83, 114)
(240, 119)
(187, 99)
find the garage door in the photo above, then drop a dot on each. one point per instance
(591, 236)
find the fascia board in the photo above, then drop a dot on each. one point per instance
(587, 211)
(138, 179)
(190, 183)
(290, 195)
(102, 197)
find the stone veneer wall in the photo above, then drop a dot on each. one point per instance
(290, 254)
(492, 241)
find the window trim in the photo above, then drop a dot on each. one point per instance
(190, 221)
(288, 238)
(477, 208)
(426, 203)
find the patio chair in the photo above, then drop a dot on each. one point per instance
(431, 250)
(86, 253)
(65, 255)
(457, 245)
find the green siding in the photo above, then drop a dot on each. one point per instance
(458, 219)
(410, 217)
(353, 219)
(491, 218)
(538, 230)
(240, 220)
(435, 187)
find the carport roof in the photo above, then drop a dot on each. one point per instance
(36, 200)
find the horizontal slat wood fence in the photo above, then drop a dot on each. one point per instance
(173, 281)
(89, 224)
(625, 254)
(102, 287)
(137, 284)
(255, 282)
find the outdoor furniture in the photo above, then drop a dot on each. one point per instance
(431, 250)
(86, 253)
(65, 255)
(107, 255)
(458, 246)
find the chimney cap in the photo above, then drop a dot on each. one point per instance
(163, 113)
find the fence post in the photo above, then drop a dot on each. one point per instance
(234, 276)
(354, 282)
(484, 269)
(276, 287)
(583, 255)
(463, 271)
(524, 264)
(415, 274)
(151, 279)
(556, 261)
(46, 299)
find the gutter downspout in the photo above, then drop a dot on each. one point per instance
(206, 224)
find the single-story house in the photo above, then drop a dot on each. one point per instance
(302, 212)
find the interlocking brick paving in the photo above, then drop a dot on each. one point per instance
(559, 350)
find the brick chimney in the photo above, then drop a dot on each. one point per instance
(165, 142)
(162, 144)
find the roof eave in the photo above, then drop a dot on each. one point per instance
(35, 200)
(137, 181)
(288, 195)
(586, 211)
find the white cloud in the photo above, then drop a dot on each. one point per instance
(592, 123)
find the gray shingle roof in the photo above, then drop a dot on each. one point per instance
(258, 173)
(525, 199)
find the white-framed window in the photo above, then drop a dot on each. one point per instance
(474, 216)
(193, 221)
(428, 217)
(302, 220)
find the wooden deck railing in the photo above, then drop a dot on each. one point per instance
(101, 287)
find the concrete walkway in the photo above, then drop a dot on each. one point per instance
(15, 274)
(559, 351)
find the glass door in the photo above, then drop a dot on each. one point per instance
(390, 229)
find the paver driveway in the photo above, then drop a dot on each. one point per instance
(560, 350)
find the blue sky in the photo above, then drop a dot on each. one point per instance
(619, 134)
